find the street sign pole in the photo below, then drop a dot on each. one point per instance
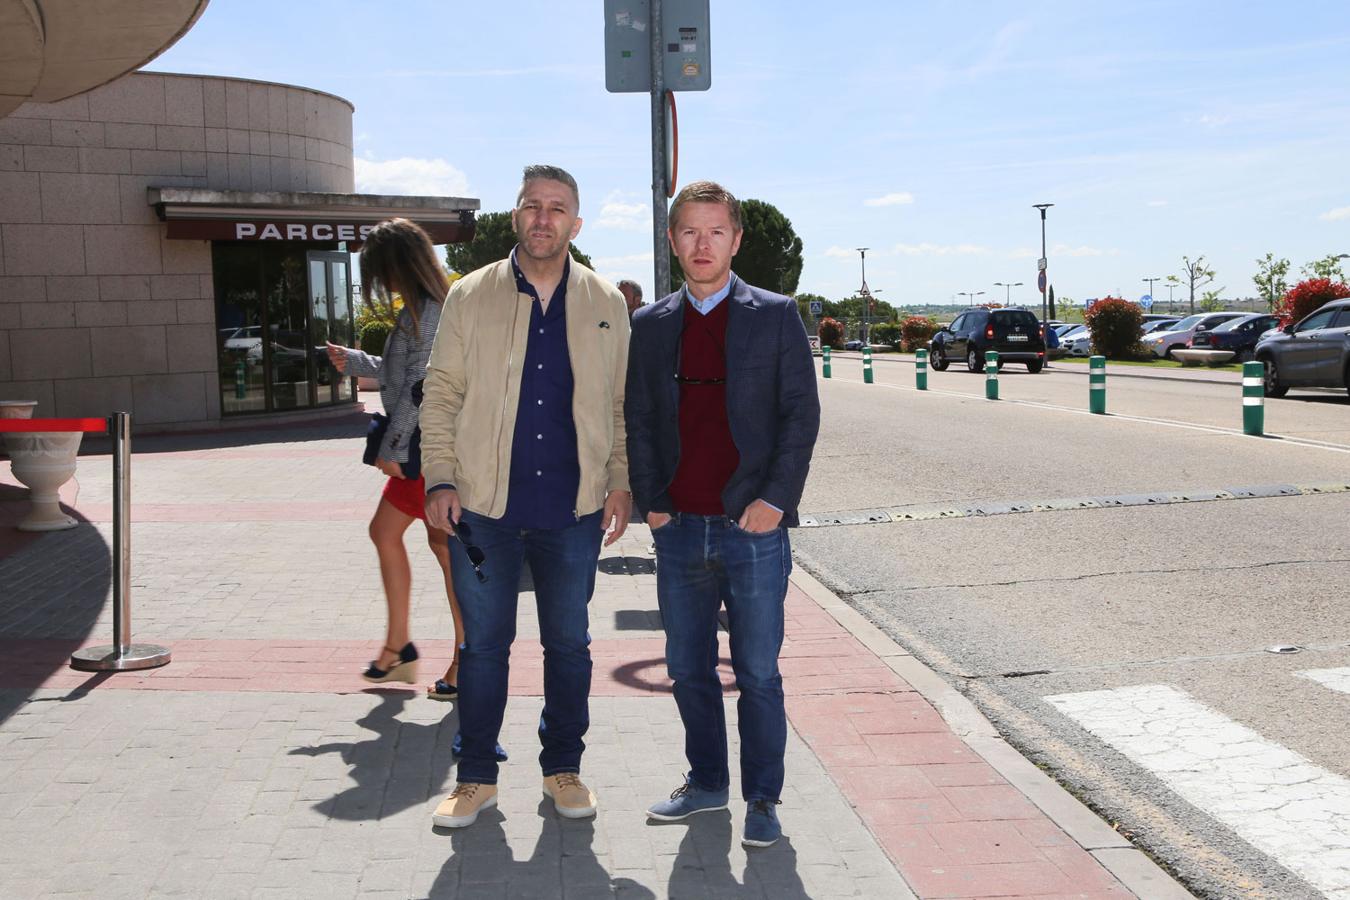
(660, 246)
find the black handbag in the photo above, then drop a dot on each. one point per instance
(379, 425)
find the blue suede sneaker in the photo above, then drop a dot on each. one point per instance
(688, 799)
(762, 828)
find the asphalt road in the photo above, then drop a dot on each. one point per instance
(1184, 597)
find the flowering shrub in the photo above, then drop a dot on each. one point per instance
(831, 333)
(916, 332)
(1308, 295)
(1115, 324)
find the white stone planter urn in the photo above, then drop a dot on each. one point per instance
(42, 462)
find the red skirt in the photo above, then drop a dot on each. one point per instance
(408, 496)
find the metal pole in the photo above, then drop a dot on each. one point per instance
(660, 189)
(121, 654)
(1045, 304)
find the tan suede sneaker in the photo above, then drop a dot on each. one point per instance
(464, 804)
(571, 798)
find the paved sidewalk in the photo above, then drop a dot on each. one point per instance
(257, 764)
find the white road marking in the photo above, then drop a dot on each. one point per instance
(1336, 679)
(1272, 797)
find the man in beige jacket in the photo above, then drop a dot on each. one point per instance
(525, 459)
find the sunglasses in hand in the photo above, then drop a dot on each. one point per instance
(477, 557)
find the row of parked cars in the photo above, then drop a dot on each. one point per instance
(1314, 352)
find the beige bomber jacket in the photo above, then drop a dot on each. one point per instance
(472, 388)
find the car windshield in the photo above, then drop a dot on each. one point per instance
(1186, 324)
(1234, 324)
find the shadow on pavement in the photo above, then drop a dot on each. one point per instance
(703, 864)
(563, 862)
(390, 769)
(52, 589)
(339, 426)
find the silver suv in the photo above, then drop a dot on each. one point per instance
(1314, 352)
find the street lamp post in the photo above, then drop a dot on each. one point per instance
(971, 295)
(1007, 299)
(1043, 279)
(867, 297)
(1171, 303)
(1150, 290)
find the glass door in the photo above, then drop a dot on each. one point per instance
(330, 320)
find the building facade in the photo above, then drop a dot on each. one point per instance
(178, 246)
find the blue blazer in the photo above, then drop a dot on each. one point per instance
(772, 403)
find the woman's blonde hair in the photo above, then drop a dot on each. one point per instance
(398, 257)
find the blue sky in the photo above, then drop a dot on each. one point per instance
(924, 131)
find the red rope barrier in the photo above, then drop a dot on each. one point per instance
(88, 426)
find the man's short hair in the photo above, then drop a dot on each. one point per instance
(632, 286)
(548, 173)
(706, 192)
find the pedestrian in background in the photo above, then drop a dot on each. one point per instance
(399, 258)
(632, 295)
(718, 469)
(525, 459)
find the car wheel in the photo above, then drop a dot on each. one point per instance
(973, 361)
(1170, 353)
(939, 360)
(1272, 386)
(1035, 367)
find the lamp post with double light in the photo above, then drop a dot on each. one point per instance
(970, 294)
(1007, 299)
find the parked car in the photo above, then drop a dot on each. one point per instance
(1239, 335)
(1078, 344)
(1162, 343)
(1014, 333)
(853, 345)
(1157, 325)
(1158, 317)
(1314, 352)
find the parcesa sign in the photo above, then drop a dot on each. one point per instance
(300, 231)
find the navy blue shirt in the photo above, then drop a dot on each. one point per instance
(545, 470)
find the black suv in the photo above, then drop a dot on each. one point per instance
(1014, 333)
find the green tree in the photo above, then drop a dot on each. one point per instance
(1328, 267)
(1210, 301)
(1197, 275)
(493, 239)
(1052, 302)
(771, 253)
(1270, 279)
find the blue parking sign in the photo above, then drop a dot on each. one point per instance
(1146, 301)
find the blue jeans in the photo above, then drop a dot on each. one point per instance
(702, 563)
(562, 563)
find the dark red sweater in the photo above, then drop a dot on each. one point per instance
(708, 455)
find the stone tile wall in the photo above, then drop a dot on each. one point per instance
(98, 312)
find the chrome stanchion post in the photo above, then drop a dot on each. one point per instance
(122, 654)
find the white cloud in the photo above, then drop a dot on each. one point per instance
(624, 216)
(927, 249)
(841, 252)
(1157, 203)
(622, 262)
(1214, 121)
(407, 175)
(1024, 253)
(900, 198)
(1066, 250)
(1335, 215)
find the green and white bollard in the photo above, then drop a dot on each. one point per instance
(1253, 398)
(1097, 385)
(921, 369)
(991, 374)
(867, 365)
(825, 355)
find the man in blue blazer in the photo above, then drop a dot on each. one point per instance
(722, 415)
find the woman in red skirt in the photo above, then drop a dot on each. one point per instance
(398, 258)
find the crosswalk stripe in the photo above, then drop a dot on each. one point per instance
(1275, 799)
(1336, 679)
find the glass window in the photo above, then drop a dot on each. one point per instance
(1319, 319)
(959, 323)
(239, 323)
(1343, 318)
